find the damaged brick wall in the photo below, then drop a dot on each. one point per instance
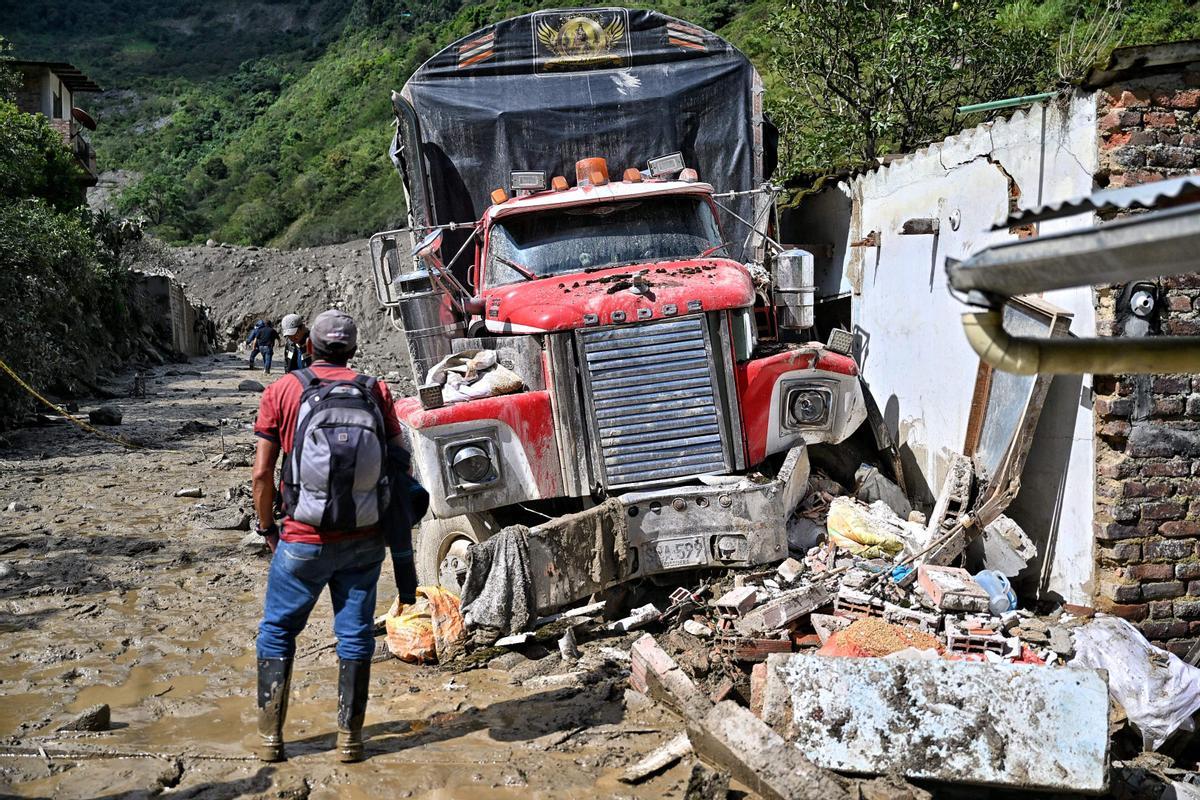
(1147, 522)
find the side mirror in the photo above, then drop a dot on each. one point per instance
(393, 254)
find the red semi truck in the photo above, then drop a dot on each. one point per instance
(587, 198)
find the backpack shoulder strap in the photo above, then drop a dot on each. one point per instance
(306, 376)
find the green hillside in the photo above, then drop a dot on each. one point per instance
(268, 122)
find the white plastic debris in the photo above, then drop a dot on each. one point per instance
(472, 374)
(1159, 692)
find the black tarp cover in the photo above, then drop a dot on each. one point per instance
(540, 91)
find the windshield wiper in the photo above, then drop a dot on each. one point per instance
(524, 271)
(711, 250)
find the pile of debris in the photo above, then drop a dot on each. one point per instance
(866, 653)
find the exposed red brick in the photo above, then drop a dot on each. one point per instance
(1155, 489)
(1188, 570)
(1115, 430)
(1179, 302)
(1154, 629)
(1163, 590)
(1166, 509)
(1183, 327)
(1181, 527)
(1140, 138)
(1186, 281)
(1113, 406)
(1168, 406)
(1118, 139)
(1188, 99)
(1155, 119)
(1160, 609)
(1187, 609)
(1130, 611)
(1133, 98)
(1155, 572)
(1125, 553)
(1168, 550)
(1177, 468)
(1171, 384)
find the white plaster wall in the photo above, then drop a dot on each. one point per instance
(914, 354)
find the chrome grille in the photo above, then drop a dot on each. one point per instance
(655, 407)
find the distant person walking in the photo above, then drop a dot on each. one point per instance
(250, 340)
(297, 344)
(264, 342)
(340, 436)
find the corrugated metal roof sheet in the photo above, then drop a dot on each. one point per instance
(1159, 194)
(68, 73)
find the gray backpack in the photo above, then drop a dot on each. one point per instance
(335, 478)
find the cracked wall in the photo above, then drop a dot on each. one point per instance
(913, 352)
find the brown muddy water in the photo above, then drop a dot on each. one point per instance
(112, 592)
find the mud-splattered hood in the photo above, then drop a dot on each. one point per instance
(616, 295)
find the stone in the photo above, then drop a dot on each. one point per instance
(191, 491)
(253, 543)
(228, 519)
(706, 784)
(697, 628)
(7, 571)
(732, 739)
(193, 426)
(1005, 725)
(94, 718)
(105, 415)
(248, 385)
(17, 506)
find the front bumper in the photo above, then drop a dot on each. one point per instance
(640, 534)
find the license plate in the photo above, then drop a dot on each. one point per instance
(681, 552)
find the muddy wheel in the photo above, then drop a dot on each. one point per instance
(441, 551)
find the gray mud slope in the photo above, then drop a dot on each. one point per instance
(242, 284)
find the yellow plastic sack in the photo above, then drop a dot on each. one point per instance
(427, 630)
(853, 527)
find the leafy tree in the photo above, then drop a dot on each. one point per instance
(869, 77)
(10, 81)
(156, 197)
(34, 161)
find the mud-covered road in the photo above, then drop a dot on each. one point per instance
(113, 590)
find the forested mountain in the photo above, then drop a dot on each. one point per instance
(268, 122)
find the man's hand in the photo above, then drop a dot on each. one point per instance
(263, 484)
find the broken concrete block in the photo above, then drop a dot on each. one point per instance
(952, 589)
(643, 615)
(654, 673)
(853, 604)
(827, 624)
(1012, 725)
(913, 617)
(790, 570)
(736, 602)
(783, 610)
(698, 629)
(658, 759)
(732, 739)
(1002, 546)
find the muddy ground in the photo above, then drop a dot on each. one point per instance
(112, 590)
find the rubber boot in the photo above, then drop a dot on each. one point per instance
(274, 685)
(353, 680)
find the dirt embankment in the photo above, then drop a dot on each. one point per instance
(113, 590)
(242, 284)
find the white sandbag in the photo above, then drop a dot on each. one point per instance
(1159, 692)
(473, 374)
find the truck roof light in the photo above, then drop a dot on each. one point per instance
(665, 165)
(559, 184)
(632, 175)
(690, 175)
(528, 181)
(587, 170)
(499, 196)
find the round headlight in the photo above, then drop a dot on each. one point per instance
(471, 464)
(809, 407)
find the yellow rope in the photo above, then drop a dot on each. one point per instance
(63, 412)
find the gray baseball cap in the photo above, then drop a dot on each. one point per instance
(291, 324)
(334, 331)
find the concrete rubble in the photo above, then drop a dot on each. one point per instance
(869, 660)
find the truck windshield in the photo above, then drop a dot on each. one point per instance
(561, 241)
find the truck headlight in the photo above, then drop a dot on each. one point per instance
(808, 406)
(472, 464)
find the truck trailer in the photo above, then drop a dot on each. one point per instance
(588, 198)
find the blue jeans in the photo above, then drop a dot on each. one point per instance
(267, 352)
(299, 572)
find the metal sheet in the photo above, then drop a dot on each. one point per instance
(1010, 725)
(1143, 247)
(1155, 195)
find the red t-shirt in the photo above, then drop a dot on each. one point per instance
(277, 413)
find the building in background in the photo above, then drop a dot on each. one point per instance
(50, 88)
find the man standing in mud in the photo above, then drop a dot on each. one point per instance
(333, 426)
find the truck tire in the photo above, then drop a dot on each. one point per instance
(441, 551)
